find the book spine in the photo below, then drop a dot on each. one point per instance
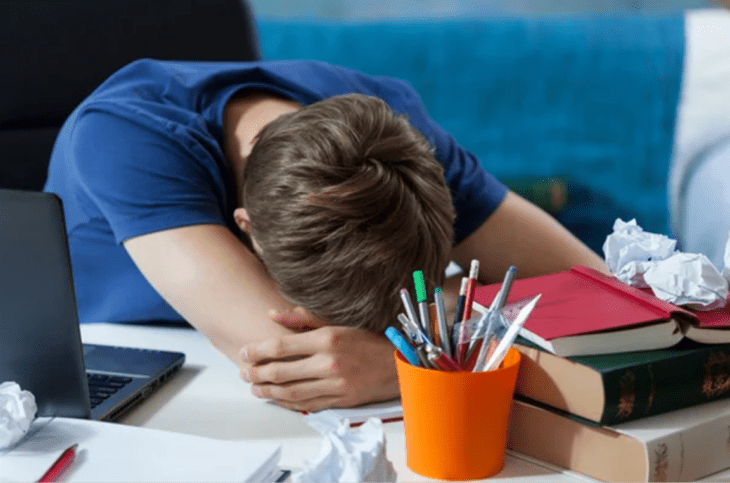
(658, 387)
(690, 452)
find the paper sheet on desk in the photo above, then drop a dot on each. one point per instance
(110, 452)
(385, 411)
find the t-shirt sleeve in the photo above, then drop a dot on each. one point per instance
(475, 193)
(144, 180)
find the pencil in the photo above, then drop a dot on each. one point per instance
(60, 465)
(462, 344)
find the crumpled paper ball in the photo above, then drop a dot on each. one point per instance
(348, 454)
(17, 411)
(648, 260)
(629, 251)
(688, 279)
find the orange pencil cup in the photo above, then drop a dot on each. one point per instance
(456, 422)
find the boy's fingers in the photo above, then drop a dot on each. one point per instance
(286, 346)
(300, 392)
(318, 366)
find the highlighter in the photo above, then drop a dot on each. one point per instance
(403, 346)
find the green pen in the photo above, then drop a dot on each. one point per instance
(422, 301)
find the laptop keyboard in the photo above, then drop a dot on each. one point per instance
(101, 386)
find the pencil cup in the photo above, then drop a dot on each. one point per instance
(456, 422)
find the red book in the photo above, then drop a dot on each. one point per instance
(584, 312)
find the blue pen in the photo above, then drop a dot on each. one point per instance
(403, 346)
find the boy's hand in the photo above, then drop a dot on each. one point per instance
(321, 366)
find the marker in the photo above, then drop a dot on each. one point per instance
(408, 305)
(462, 345)
(422, 301)
(403, 346)
(444, 336)
(509, 337)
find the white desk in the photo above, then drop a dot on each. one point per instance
(208, 398)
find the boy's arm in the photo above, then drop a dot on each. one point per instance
(521, 234)
(213, 281)
(207, 275)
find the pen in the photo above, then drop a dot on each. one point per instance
(462, 344)
(414, 330)
(423, 357)
(494, 309)
(439, 359)
(460, 301)
(501, 297)
(403, 346)
(509, 337)
(60, 465)
(410, 333)
(422, 301)
(410, 311)
(438, 297)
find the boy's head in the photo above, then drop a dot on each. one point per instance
(345, 201)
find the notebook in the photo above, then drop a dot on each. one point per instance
(117, 453)
(39, 327)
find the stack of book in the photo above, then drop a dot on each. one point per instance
(617, 384)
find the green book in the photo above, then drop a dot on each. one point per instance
(614, 388)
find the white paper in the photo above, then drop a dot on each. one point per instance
(388, 410)
(688, 279)
(629, 251)
(644, 259)
(111, 452)
(348, 454)
(17, 411)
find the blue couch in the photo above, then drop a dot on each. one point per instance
(587, 99)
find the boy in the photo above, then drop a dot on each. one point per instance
(278, 207)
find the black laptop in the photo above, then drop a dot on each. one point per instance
(40, 340)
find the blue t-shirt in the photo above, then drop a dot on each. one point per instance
(143, 153)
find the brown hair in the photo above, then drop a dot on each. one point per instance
(346, 200)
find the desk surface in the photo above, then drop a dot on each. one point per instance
(208, 398)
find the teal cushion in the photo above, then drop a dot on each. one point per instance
(588, 98)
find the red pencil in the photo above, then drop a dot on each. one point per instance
(463, 340)
(60, 465)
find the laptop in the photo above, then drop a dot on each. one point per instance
(40, 338)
